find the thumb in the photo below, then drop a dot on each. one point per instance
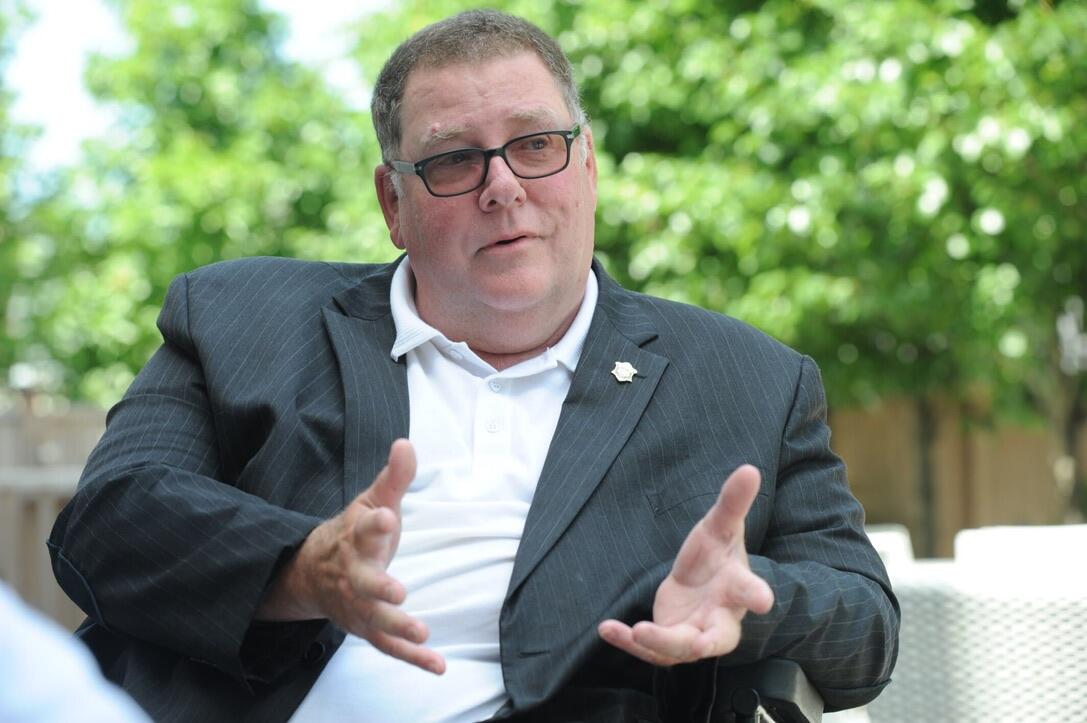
(394, 479)
(726, 517)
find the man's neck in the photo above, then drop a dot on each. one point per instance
(500, 359)
(502, 337)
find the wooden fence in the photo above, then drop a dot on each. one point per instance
(41, 454)
(965, 477)
(30, 499)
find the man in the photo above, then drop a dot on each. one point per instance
(551, 541)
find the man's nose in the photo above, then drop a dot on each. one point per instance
(502, 188)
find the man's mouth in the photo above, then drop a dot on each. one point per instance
(508, 241)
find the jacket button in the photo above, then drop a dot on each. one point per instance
(314, 654)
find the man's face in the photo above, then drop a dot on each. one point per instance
(512, 245)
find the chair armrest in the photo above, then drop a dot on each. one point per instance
(778, 685)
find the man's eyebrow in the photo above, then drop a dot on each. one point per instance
(437, 135)
(542, 115)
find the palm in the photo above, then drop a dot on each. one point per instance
(699, 606)
(701, 592)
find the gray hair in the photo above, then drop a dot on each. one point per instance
(475, 36)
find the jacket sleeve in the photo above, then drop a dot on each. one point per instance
(155, 545)
(834, 612)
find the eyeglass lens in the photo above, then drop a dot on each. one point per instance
(533, 156)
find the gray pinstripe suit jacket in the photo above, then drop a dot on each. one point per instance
(272, 403)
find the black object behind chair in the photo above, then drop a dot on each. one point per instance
(770, 691)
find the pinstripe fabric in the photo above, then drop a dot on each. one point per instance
(273, 401)
(722, 394)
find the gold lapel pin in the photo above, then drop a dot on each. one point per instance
(624, 371)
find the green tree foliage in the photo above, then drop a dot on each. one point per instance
(12, 140)
(222, 149)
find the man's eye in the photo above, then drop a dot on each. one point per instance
(536, 143)
(457, 158)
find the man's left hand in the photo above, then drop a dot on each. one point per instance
(699, 606)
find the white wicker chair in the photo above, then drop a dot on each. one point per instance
(998, 634)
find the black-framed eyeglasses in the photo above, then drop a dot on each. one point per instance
(464, 170)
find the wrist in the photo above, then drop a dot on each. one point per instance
(287, 596)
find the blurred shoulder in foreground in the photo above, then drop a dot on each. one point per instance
(48, 675)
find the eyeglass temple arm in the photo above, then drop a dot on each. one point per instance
(403, 167)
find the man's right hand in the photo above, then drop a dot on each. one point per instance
(339, 573)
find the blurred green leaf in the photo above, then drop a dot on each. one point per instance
(223, 149)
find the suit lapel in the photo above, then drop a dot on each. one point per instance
(362, 332)
(598, 416)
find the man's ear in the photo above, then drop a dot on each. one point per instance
(389, 201)
(590, 158)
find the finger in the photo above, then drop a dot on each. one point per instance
(373, 532)
(727, 515)
(699, 557)
(720, 639)
(621, 636)
(671, 641)
(395, 478)
(372, 581)
(748, 591)
(401, 649)
(372, 616)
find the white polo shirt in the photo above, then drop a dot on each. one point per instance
(480, 437)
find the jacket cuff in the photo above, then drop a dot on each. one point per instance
(271, 649)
